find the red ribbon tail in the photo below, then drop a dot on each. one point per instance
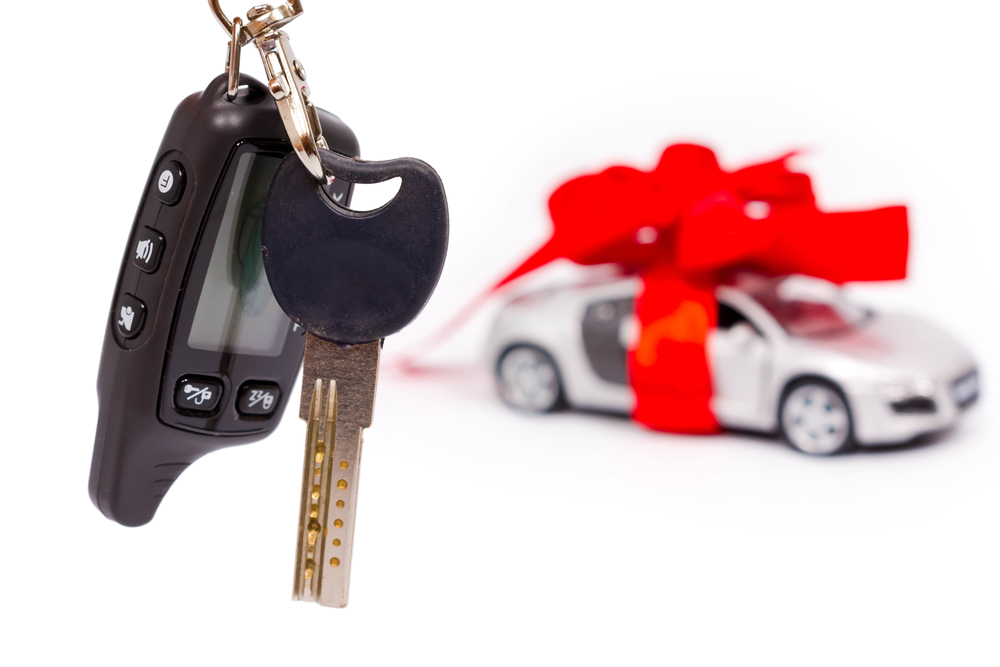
(543, 256)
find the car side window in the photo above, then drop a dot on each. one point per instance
(730, 317)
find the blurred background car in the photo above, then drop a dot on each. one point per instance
(790, 355)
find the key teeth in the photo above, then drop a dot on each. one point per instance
(314, 506)
(305, 586)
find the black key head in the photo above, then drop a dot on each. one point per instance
(353, 277)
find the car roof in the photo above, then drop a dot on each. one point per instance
(746, 282)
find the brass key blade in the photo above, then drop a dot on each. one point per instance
(315, 492)
(352, 372)
(309, 508)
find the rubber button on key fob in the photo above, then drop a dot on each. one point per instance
(197, 394)
(169, 184)
(258, 399)
(148, 249)
(130, 315)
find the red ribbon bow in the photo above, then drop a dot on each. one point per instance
(685, 228)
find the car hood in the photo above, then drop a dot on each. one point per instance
(900, 342)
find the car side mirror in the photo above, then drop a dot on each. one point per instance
(742, 334)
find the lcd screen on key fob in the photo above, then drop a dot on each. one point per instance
(236, 311)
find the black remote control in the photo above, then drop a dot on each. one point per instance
(197, 353)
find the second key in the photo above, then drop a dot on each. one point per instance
(350, 279)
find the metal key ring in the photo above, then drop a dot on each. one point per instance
(260, 18)
(227, 25)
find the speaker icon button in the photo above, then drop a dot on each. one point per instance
(148, 249)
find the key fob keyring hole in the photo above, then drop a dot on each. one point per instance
(365, 197)
(368, 196)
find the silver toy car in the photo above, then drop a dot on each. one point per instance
(790, 355)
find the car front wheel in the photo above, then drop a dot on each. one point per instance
(815, 418)
(528, 379)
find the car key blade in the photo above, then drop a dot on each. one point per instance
(333, 457)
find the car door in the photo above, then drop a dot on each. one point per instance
(601, 333)
(740, 359)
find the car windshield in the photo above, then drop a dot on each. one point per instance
(806, 306)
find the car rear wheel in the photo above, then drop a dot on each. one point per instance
(528, 379)
(815, 418)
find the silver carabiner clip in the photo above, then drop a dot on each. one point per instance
(286, 75)
(262, 17)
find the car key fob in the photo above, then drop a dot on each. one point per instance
(197, 354)
(348, 276)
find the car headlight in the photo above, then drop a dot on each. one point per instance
(897, 391)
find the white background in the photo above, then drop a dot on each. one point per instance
(486, 536)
